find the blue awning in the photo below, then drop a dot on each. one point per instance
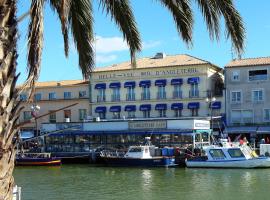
(115, 85)
(177, 106)
(194, 105)
(145, 107)
(130, 108)
(216, 105)
(100, 86)
(161, 106)
(100, 109)
(193, 80)
(177, 81)
(145, 83)
(130, 84)
(115, 109)
(161, 82)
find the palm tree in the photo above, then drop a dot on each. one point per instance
(77, 16)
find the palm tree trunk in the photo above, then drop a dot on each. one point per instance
(9, 107)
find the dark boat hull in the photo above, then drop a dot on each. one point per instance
(38, 161)
(149, 162)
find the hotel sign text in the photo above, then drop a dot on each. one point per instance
(147, 124)
(184, 71)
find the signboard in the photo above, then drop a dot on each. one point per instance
(158, 124)
(201, 124)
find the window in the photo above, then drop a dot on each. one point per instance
(194, 112)
(257, 75)
(257, 95)
(52, 117)
(161, 92)
(23, 97)
(37, 97)
(241, 116)
(178, 113)
(116, 115)
(247, 116)
(130, 94)
(27, 115)
(67, 115)
(236, 96)
(162, 113)
(236, 153)
(82, 94)
(145, 93)
(235, 76)
(82, 114)
(131, 114)
(177, 93)
(194, 91)
(67, 95)
(116, 94)
(146, 113)
(266, 114)
(52, 95)
(101, 95)
(217, 154)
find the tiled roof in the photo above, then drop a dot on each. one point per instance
(249, 62)
(147, 62)
(60, 83)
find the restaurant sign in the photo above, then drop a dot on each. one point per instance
(157, 124)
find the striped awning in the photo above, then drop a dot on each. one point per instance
(177, 81)
(193, 105)
(177, 106)
(161, 82)
(145, 83)
(115, 109)
(161, 106)
(115, 85)
(100, 86)
(193, 80)
(130, 108)
(145, 107)
(130, 84)
(100, 109)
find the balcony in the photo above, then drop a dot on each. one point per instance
(194, 94)
(115, 98)
(101, 98)
(145, 96)
(161, 95)
(177, 95)
(130, 97)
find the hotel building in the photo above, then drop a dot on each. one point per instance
(248, 96)
(54, 95)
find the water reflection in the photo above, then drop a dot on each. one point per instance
(146, 179)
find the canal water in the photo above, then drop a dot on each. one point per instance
(84, 182)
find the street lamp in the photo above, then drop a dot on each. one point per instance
(34, 112)
(211, 100)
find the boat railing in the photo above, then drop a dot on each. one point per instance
(35, 155)
(106, 153)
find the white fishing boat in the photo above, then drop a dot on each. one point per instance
(228, 155)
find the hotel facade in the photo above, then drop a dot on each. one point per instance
(158, 87)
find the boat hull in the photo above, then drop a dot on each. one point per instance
(38, 161)
(260, 162)
(146, 162)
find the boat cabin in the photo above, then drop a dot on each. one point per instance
(139, 152)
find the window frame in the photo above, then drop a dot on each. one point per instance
(257, 90)
(52, 95)
(242, 155)
(248, 79)
(233, 75)
(67, 95)
(231, 96)
(217, 158)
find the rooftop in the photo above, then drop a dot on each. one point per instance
(160, 60)
(60, 83)
(249, 62)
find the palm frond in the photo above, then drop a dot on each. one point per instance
(211, 16)
(63, 8)
(81, 24)
(183, 17)
(233, 22)
(122, 14)
(35, 42)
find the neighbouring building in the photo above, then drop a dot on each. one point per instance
(248, 97)
(54, 95)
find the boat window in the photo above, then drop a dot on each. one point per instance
(134, 149)
(235, 153)
(217, 153)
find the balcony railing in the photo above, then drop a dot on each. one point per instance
(101, 98)
(145, 96)
(194, 94)
(161, 95)
(177, 95)
(115, 98)
(130, 97)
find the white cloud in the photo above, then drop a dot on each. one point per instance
(110, 44)
(105, 58)
(150, 44)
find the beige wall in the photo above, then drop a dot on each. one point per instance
(205, 73)
(246, 87)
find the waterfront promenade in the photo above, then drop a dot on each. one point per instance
(86, 182)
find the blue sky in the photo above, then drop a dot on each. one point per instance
(158, 34)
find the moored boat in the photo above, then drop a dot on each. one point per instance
(228, 155)
(36, 159)
(142, 155)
